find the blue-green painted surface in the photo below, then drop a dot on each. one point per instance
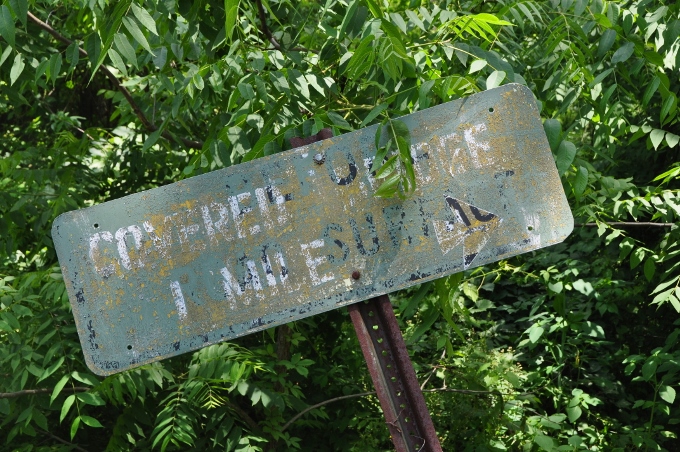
(238, 250)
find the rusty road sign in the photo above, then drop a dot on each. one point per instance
(238, 250)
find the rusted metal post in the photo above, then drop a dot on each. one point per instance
(393, 376)
(391, 369)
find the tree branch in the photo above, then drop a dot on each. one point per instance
(625, 224)
(325, 402)
(14, 395)
(63, 441)
(268, 34)
(265, 28)
(364, 394)
(150, 126)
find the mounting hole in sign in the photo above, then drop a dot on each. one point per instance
(491, 110)
(96, 225)
(531, 228)
(129, 347)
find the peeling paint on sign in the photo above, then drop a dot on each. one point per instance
(238, 250)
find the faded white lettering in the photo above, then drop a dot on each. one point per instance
(106, 270)
(178, 298)
(314, 262)
(121, 235)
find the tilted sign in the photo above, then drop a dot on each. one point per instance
(234, 251)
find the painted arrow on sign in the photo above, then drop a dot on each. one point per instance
(252, 246)
(472, 227)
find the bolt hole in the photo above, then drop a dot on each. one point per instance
(393, 378)
(384, 352)
(96, 225)
(370, 313)
(531, 228)
(375, 327)
(491, 110)
(406, 419)
(129, 347)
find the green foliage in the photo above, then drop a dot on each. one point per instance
(570, 348)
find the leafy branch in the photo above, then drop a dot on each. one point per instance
(392, 160)
(148, 124)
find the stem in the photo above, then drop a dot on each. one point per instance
(25, 392)
(364, 394)
(63, 441)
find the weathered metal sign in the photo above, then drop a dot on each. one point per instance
(238, 250)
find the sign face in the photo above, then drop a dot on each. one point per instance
(238, 250)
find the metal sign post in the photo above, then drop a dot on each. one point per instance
(238, 250)
(401, 399)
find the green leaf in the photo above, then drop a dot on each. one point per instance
(58, 387)
(535, 333)
(553, 130)
(93, 46)
(351, 9)
(672, 139)
(649, 369)
(636, 257)
(72, 56)
(651, 89)
(338, 120)
(20, 8)
(87, 379)
(66, 406)
(649, 268)
(50, 370)
(669, 106)
(656, 136)
(362, 59)
(667, 393)
(136, 33)
(107, 29)
(374, 7)
(544, 442)
(606, 41)
(145, 18)
(5, 54)
(7, 29)
(477, 65)
(373, 114)
(431, 316)
(90, 421)
(74, 427)
(495, 79)
(123, 45)
(230, 17)
(387, 168)
(118, 62)
(623, 53)
(574, 412)
(17, 68)
(565, 156)
(388, 188)
(91, 398)
(580, 182)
